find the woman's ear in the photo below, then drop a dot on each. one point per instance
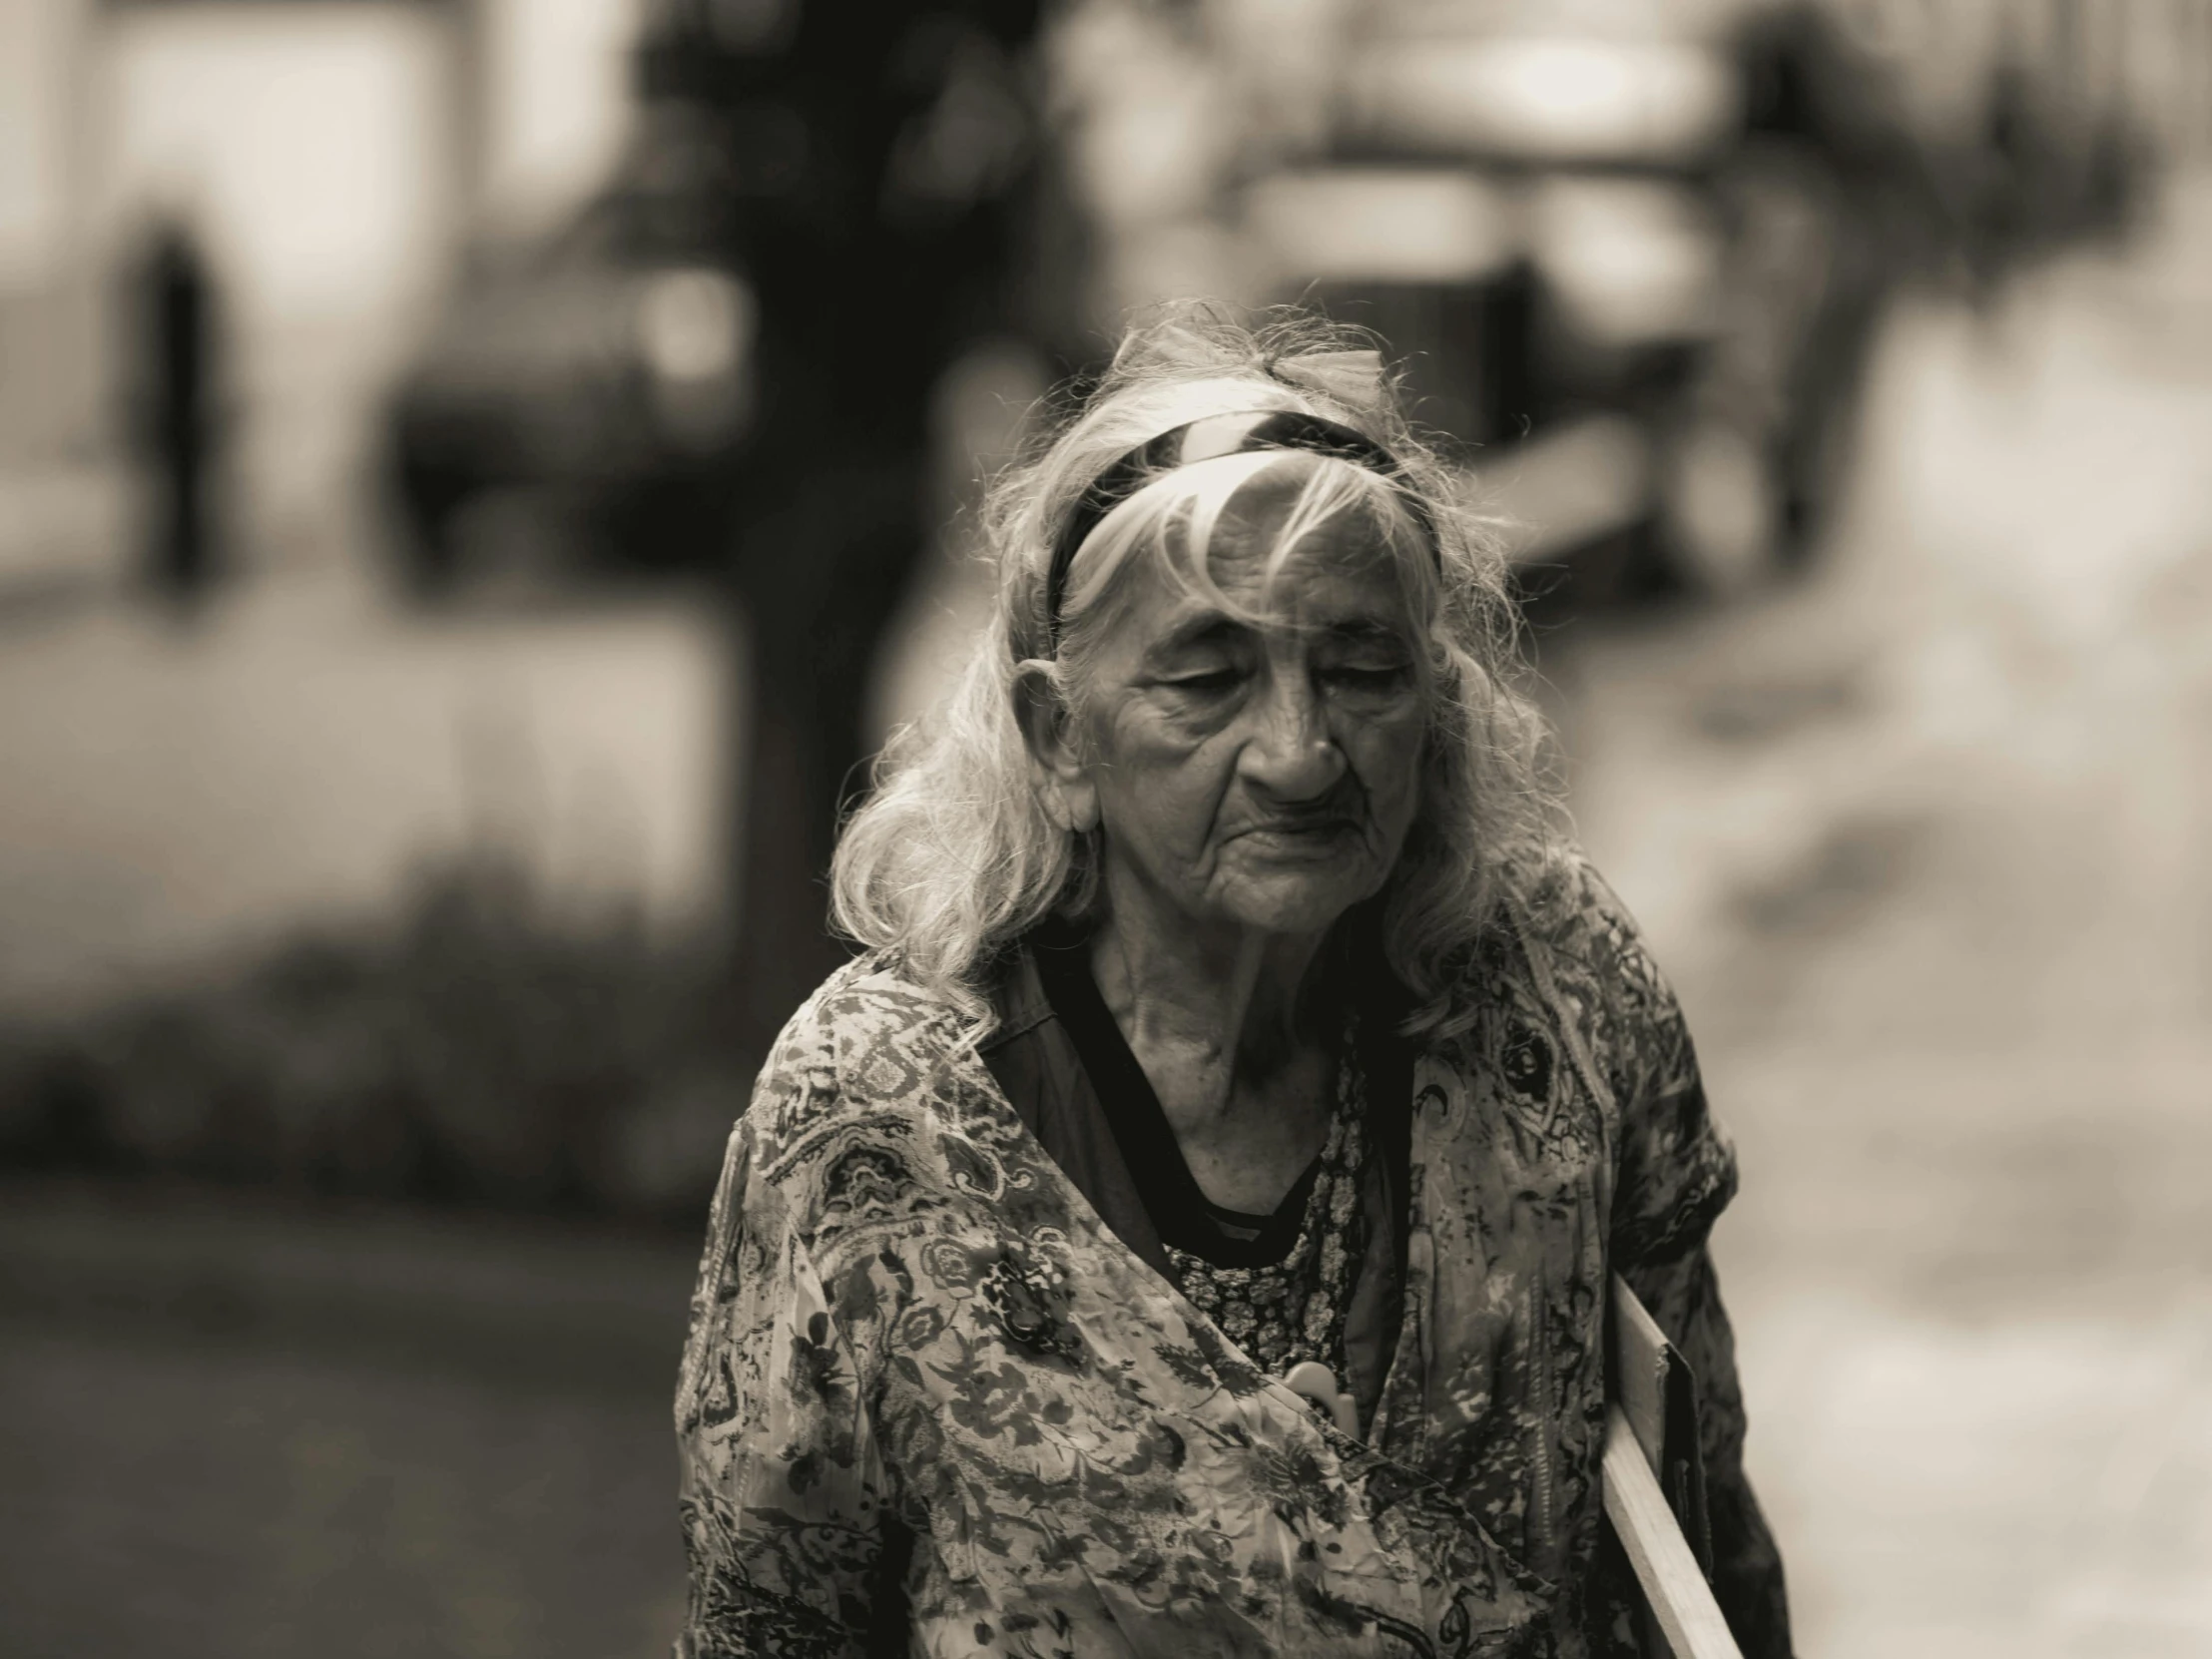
(1056, 766)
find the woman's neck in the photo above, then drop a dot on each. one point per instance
(1212, 1016)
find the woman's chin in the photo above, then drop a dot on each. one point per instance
(1292, 902)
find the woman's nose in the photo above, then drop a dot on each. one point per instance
(1291, 754)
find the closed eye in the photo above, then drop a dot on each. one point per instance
(1370, 676)
(1215, 680)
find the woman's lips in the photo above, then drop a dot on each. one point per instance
(1300, 837)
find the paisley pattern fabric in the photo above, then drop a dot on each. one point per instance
(1293, 1310)
(930, 1404)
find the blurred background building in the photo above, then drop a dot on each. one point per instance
(477, 477)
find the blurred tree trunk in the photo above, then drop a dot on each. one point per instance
(879, 189)
(816, 586)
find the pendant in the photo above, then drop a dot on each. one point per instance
(1318, 1385)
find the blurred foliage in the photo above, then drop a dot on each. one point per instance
(493, 1046)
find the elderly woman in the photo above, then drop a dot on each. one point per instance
(1186, 1229)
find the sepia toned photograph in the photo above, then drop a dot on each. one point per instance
(1106, 829)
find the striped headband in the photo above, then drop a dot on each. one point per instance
(1206, 440)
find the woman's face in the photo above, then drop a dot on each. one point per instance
(1259, 776)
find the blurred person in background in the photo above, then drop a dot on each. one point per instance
(175, 344)
(1828, 204)
(1192, 1219)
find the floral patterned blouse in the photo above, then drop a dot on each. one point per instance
(932, 1403)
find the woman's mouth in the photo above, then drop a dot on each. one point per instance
(1301, 838)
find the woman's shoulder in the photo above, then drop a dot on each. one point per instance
(868, 1044)
(1566, 908)
(1585, 946)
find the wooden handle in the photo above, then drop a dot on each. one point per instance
(1676, 1592)
(1318, 1383)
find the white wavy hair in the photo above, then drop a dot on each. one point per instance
(953, 855)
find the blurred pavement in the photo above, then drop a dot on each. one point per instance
(185, 788)
(237, 1427)
(1923, 842)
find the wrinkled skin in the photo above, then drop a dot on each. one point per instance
(1254, 761)
(1254, 778)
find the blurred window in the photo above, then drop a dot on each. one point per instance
(1559, 98)
(1394, 224)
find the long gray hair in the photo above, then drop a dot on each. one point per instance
(953, 855)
